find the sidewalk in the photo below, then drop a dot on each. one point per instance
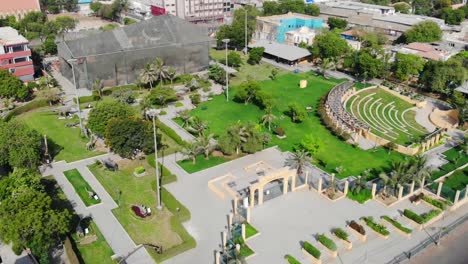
(102, 215)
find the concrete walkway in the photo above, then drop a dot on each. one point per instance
(102, 215)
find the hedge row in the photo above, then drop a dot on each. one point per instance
(311, 250)
(327, 242)
(171, 133)
(421, 219)
(437, 203)
(397, 224)
(26, 108)
(379, 228)
(291, 259)
(340, 233)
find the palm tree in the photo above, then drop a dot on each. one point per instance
(299, 160)
(327, 64)
(418, 169)
(191, 151)
(400, 175)
(185, 117)
(160, 70)
(147, 75)
(171, 74)
(268, 117)
(359, 185)
(97, 86)
(206, 145)
(197, 126)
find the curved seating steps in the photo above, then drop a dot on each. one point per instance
(381, 118)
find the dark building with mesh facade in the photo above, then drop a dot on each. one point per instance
(117, 57)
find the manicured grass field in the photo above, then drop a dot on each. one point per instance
(360, 197)
(98, 251)
(332, 153)
(456, 158)
(201, 163)
(386, 115)
(458, 180)
(65, 142)
(259, 72)
(162, 228)
(81, 186)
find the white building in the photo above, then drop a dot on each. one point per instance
(304, 34)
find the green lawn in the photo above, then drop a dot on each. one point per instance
(456, 158)
(201, 163)
(98, 251)
(81, 186)
(162, 228)
(259, 72)
(373, 107)
(249, 230)
(360, 197)
(66, 143)
(333, 152)
(458, 180)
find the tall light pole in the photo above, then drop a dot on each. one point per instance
(72, 63)
(153, 113)
(226, 41)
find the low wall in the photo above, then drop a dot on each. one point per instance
(444, 119)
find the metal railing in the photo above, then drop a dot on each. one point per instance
(407, 255)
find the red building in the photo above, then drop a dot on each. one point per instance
(15, 56)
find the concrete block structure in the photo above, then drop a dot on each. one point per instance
(274, 28)
(15, 56)
(301, 35)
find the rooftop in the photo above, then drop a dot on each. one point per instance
(407, 19)
(424, 50)
(166, 30)
(10, 36)
(283, 51)
(12, 6)
(356, 5)
(278, 18)
(302, 30)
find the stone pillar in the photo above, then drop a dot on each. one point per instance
(400, 193)
(319, 187)
(243, 231)
(293, 182)
(237, 248)
(230, 222)
(346, 187)
(217, 258)
(224, 239)
(437, 137)
(248, 215)
(285, 185)
(433, 141)
(374, 189)
(439, 188)
(307, 178)
(252, 198)
(260, 196)
(466, 191)
(235, 205)
(423, 181)
(412, 187)
(457, 196)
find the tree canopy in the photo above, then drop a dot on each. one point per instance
(236, 31)
(407, 65)
(330, 45)
(129, 135)
(255, 55)
(100, 116)
(20, 146)
(12, 87)
(425, 31)
(443, 77)
(338, 23)
(28, 218)
(285, 6)
(161, 96)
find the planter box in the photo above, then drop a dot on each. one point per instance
(398, 230)
(281, 137)
(312, 258)
(361, 237)
(347, 244)
(380, 235)
(340, 196)
(421, 226)
(332, 253)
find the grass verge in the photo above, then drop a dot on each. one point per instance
(81, 187)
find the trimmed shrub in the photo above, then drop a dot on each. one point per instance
(340, 233)
(421, 219)
(140, 170)
(327, 242)
(357, 227)
(311, 250)
(379, 228)
(171, 133)
(397, 224)
(26, 108)
(291, 259)
(437, 203)
(360, 197)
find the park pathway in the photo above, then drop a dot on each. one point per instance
(102, 215)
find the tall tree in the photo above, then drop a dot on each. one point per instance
(198, 126)
(100, 116)
(97, 87)
(268, 118)
(12, 87)
(407, 65)
(191, 151)
(185, 116)
(247, 91)
(337, 23)
(330, 45)
(299, 160)
(160, 70)
(171, 74)
(147, 75)
(206, 144)
(425, 31)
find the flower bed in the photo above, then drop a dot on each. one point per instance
(423, 218)
(379, 228)
(313, 251)
(291, 260)
(397, 225)
(436, 202)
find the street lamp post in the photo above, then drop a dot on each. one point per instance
(72, 63)
(226, 41)
(153, 113)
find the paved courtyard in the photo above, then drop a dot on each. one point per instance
(287, 220)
